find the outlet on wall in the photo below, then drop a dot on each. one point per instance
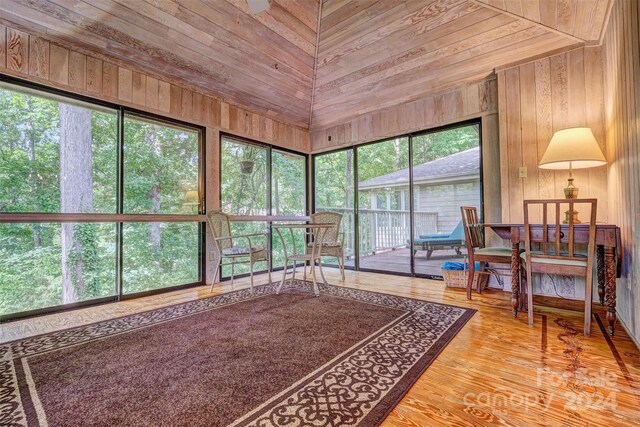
(522, 172)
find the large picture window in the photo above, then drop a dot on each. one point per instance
(61, 156)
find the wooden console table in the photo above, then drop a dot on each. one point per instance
(608, 256)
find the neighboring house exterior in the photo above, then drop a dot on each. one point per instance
(440, 187)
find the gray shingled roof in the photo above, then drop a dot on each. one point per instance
(456, 165)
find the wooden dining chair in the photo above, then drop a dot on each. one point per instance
(551, 248)
(476, 250)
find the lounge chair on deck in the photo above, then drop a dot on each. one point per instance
(433, 242)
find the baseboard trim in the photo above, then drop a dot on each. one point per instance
(635, 340)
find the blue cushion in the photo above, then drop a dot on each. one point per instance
(452, 265)
(456, 234)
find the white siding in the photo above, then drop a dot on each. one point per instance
(446, 200)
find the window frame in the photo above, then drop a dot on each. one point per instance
(410, 135)
(119, 218)
(269, 179)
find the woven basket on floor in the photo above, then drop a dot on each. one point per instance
(458, 279)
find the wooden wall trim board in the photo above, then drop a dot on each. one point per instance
(535, 100)
(621, 59)
(43, 61)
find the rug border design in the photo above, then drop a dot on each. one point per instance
(375, 410)
(11, 405)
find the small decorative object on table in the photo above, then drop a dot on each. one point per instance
(455, 275)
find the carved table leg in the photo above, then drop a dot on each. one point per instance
(610, 284)
(515, 275)
(523, 288)
(601, 272)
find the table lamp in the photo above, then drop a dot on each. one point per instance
(573, 148)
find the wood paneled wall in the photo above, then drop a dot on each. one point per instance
(466, 102)
(535, 100)
(621, 52)
(36, 59)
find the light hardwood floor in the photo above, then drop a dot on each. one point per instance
(496, 371)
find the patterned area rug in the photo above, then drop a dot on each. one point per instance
(344, 358)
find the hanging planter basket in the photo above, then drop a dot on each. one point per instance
(246, 166)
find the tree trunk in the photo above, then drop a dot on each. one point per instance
(276, 196)
(154, 232)
(76, 193)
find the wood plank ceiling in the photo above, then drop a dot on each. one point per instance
(264, 62)
(370, 54)
(374, 54)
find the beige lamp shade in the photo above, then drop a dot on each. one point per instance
(575, 148)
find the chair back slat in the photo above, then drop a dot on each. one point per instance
(545, 229)
(473, 230)
(571, 229)
(557, 229)
(557, 240)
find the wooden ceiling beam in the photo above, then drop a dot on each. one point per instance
(315, 63)
(515, 15)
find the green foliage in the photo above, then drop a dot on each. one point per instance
(334, 179)
(31, 254)
(432, 146)
(334, 171)
(162, 157)
(85, 258)
(245, 192)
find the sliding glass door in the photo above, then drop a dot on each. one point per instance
(69, 170)
(161, 176)
(383, 206)
(257, 179)
(244, 175)
(446, 175)
(288, 198)
(409, 191)
(334, 191)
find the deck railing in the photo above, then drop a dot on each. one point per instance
(383, 229)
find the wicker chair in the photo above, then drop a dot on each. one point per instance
(239, 249)
(333, 242)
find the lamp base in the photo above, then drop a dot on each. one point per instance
(568, 214)
(571, 191)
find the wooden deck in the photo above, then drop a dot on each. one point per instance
(399, 261)
(496, 371)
